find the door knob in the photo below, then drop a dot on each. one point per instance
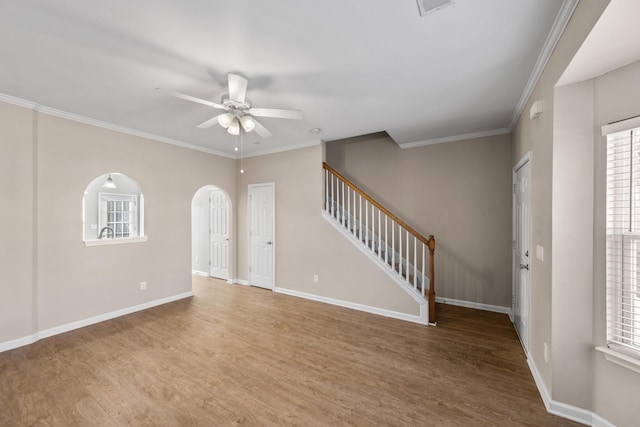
(524, 267)
(268, 243)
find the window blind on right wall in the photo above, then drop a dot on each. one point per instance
(623, 238)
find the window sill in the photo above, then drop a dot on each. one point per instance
(621, 359)
(102, 242)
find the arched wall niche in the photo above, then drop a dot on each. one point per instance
(113, 210)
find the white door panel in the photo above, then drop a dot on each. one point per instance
(522, 252)
(261, 235)
(219, 235)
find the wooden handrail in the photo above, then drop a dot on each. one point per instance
(376, 204)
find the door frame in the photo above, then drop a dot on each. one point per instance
(273, 228)
(515, 266)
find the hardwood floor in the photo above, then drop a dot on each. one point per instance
(240, 355)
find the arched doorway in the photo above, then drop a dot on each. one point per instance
(210, 233)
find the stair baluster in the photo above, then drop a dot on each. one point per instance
(407, 261)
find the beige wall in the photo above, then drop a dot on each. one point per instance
(459, 191)
(74, 282)
(537, 136)
(305, 243)
(568, 288)
(16, 215)
(572, 215)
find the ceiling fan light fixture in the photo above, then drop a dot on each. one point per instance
(225, 120)
(234, 127)
(247, 123)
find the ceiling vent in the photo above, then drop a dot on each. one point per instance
(430, 6)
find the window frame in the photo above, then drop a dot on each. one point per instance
(623, 244)
(103, 220)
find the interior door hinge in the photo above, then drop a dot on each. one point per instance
(515, 188)
(249, 269)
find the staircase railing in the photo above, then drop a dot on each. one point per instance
(395, 243)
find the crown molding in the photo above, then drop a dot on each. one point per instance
(559, 25)
(485, 133)
(105, 125)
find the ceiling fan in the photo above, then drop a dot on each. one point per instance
(238, 110)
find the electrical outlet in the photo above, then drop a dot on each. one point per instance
(315, 278)
(540, 252)
(546, 353)
(143, 286)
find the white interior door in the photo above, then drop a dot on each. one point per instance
(218, 235)
(261, 235)
(522, 250)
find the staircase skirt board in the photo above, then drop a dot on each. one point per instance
(416, 295)
(423, 318)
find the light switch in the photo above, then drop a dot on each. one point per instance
(540, 252)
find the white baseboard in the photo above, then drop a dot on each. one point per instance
(476, 305)
(199, 273)
(422, 318)
(564, 410)
(240, 282)
(20, 342)
(9, 345)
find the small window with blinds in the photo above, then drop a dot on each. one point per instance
(623, 241)
(117, 215)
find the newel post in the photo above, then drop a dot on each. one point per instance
(432, 281)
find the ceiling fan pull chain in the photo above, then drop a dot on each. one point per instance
(241, 152)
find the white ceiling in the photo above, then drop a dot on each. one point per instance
(352, 67)
(613, 42)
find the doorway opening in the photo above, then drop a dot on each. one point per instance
(210, 233)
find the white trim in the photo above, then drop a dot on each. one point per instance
(476, 305)
(416, 295)
(199, 273)
(620, 359)
(422, 319)
(564, 410)
(19, 102)
(103, 242)
(9, 345)
(105, 125)
(282, 149)
(273, 229)
(620, 126)
(482, 134)
(240, 282)
(20, 342)
(563, 18)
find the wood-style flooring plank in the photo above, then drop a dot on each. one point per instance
(240, 355)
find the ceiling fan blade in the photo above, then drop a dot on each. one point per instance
(194, 99)
(261, 130)
(211, 122)
(275, 112)
(237, 87)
